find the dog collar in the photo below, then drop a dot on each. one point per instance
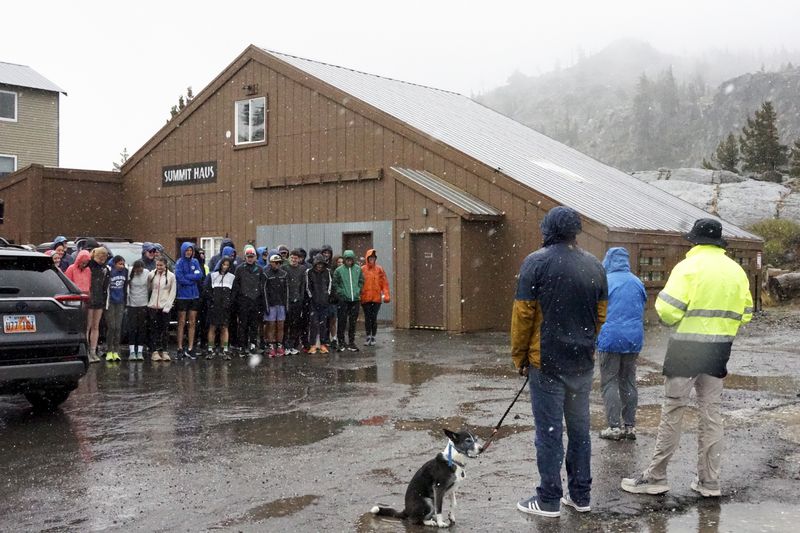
(449, 455)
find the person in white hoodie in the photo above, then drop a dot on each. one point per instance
(138, 297)
(162, 286)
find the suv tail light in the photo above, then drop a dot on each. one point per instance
(72, 300)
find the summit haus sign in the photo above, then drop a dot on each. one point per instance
(189, 174)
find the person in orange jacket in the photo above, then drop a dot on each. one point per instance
(374, 292)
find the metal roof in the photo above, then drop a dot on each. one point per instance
(600, 192)
(24, 76)
(462, 200)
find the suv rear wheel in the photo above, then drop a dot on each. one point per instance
(47, 400)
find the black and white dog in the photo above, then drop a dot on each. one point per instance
(436, 480)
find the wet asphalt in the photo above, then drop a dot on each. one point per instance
(310, 443)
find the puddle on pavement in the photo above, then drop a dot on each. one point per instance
(434, 427)
(295, 428)
(401, 372)
(273, 509)
(774, 384)
(504, 371)
(712, 518)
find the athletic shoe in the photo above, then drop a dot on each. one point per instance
(165, 357)
(272, 351)
(313, 350)
(611, 433)
(334, 344)
(352, 347)
(280, 352)
(190, 354)
(703, 491)
(642, 485)
(629, 432)
(210, 355)
(155, 356)
(179, 354)
(341, 348)
(567, 500)
(253, 350)
(292, 351)
(226, 355)
(324, 349)
(534, 506)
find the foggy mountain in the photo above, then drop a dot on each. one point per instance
(635, 108)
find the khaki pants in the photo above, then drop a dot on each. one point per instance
(709, 435)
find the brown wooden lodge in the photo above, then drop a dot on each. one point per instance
(284, 150)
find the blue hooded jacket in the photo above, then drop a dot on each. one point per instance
(226, 252)
(623, 331)
(187, 273)
(260, 256)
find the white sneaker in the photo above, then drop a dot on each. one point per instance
(567, 500)
(703, 491)
(642, 485)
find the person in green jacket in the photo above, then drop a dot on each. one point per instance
(348, 280)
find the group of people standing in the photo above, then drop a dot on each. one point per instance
(276, 302)
(568, 307)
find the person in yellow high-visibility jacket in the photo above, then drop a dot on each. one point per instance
(707, 296)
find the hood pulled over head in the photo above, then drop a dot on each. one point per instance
(617, 260)
(560, 224)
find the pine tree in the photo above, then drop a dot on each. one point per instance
(643, 119)
(794, 163)
(727, 154)
(760, 144)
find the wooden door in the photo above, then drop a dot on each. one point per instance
(427, 280)
(359, 242)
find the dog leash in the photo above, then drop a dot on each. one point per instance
(497, 427)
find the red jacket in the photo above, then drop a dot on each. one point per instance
(81, 277)
(375, 282)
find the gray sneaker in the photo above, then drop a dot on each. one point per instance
(629, 433)
(642, 485)
(703, 491)
(612, 434)
(567, 500)
(534, 506)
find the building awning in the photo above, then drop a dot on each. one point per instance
(446, 194)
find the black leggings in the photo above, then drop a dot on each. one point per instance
(371, 317)
(137, 326)
(159, 323)
(348, 314)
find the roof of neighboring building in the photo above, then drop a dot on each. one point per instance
(600, 192)
(24, 76)
(451, 196)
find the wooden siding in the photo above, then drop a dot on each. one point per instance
(42, 202)
(315, 133)
(33, 138)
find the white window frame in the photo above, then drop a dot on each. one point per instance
(236, 121)
(16, 107)
(13, 158)
(211, 246)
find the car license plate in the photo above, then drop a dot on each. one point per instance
(19, 324)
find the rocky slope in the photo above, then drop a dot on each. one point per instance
(739, 200)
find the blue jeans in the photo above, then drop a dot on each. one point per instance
(555, 398)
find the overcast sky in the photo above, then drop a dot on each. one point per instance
(124, 67)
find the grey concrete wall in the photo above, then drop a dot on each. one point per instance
(315, 235)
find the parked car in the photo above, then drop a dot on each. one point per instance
(43, 351)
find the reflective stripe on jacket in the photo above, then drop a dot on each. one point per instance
(708, 297)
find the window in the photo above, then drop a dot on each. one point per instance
(8, 106)
(211, 246)
(8, 164)
(251, 120)
(651, 265)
